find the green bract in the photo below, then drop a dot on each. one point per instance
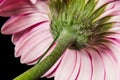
(80, 18)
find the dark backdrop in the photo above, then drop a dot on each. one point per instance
(10, 66)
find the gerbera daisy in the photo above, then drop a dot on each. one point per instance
(75, 40)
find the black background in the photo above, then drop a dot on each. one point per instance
(10, 67)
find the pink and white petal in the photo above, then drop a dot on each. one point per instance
(117, 5)
(86, 67)
(77, 67)
(13, 7)
(33, 43)
(115, 10)
(42, 6)
(110, 6)
(116, 36)
(111, 69)
(115, 29)
(66, 66)
(114, 47)
(22, 22)
(102, 2)
(97, 64)
(35, 51)
(17, 36)
(114, 19)
(33, 1)
(51, 72)
(29, 35)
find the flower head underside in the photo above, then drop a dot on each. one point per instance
(83, 37)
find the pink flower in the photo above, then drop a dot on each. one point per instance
(30, 28)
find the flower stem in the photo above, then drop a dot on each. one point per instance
(42, 67)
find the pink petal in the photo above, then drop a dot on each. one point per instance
(110, 6)
(66, 66)
(77, 67)
(17, 36)
(114, 19)
(102, 2)
(114, 36)
(33, 1)
(115, 10)
(42, 6)
(13, 7)
(34, 51)
(51, 72)
(98, 65)
(86, 67)
(111, 69)
(34, 43)
(29, 35)
(115, 29)
(22, 22)
(114, 47)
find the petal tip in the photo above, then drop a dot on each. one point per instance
(3, 31)
(33, 1)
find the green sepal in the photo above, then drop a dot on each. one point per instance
(97, 13)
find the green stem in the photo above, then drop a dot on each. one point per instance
(42, 67)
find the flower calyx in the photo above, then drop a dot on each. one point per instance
(80, 18)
